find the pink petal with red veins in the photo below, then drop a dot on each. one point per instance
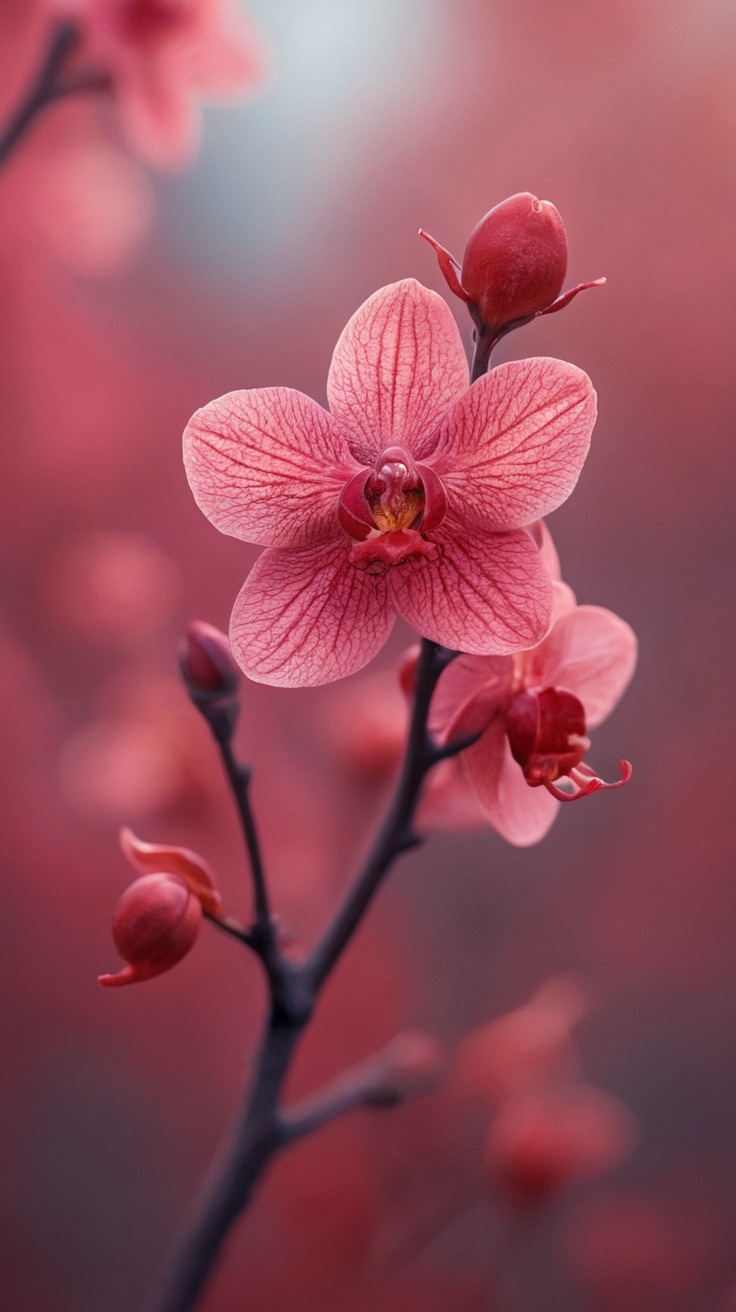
(484, 595)
(267, 466)
(522, 815)
(542, 537)
(397, 367)
(309, 617)
(563, 600)
(512, 448)
(470, 692)
(591, 653)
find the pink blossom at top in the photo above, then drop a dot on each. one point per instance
(411, 495)
(533, 710)
(161, 55)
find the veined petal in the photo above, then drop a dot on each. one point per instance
(309, 617)
(267, 466)
(470, 692)
(397, 367)
(591, 653)
(511, 449)
(522, 815)
(542, 537)
(485, 595)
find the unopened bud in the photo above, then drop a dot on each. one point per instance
(155, 924)
(513, 267)
(207, 664)
(515, 260)
(540, 1145)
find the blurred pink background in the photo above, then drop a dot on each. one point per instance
(128, 301)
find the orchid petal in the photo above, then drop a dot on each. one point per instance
(484, 595)
(520, 814)
(397, 367)
(162, 858)
(267, 466)
(470, 692)
(591, 653)
(511, 449)
(542, 539)
(449, 801)
(309, 617)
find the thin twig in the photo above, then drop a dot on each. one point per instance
(239, 777)
(395, 835)
(263, 1129)
(50, 85)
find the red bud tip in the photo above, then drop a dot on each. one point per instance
(515, 260)
(207, 664)
(155, 924)
(513, 267)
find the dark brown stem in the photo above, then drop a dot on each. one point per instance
(50, 85)
(481, 355)
(239, 777)
(396, 834)
(257, 1137)
(263, 1128)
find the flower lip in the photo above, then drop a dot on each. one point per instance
(546, 730)
(395, 496)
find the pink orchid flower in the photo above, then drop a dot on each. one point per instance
(532, 711)
(161, 55)
(411, 496)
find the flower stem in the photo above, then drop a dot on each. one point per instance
(51, 85)
(257, 1137)
(239, 777)
(263, 1129)
(395, 835)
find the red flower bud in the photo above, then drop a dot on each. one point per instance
(154, 925)
(513, 267)
(207, 664)
(539, 1145)
(515, 260)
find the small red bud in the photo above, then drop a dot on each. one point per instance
(540, 1145)
(515, 260)
(207, 664)
(154, 925)
(513, 267)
